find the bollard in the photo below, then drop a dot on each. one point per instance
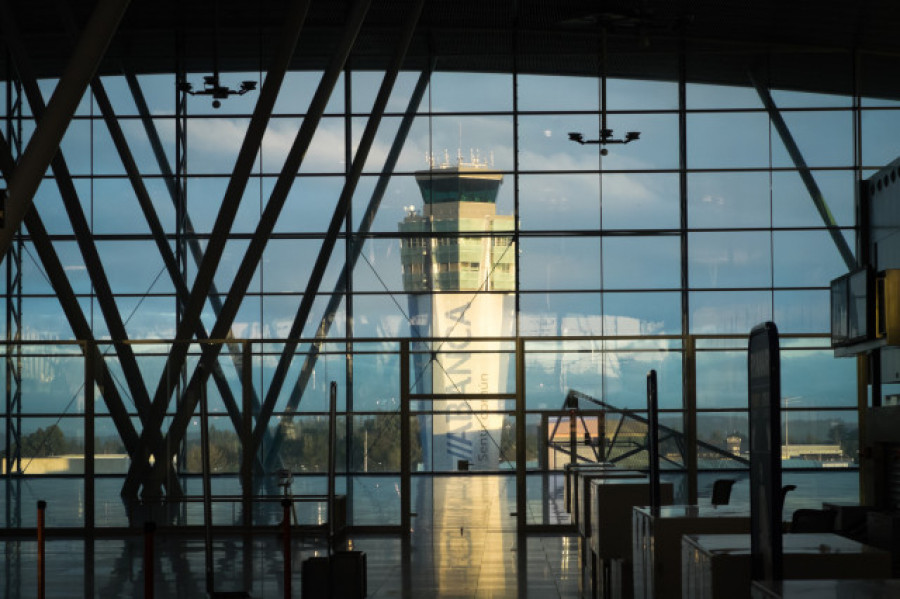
(286, 533)
(41, 587)
(149, 529)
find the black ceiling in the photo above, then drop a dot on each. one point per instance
(826, 45)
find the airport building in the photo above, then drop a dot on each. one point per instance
(374, 280)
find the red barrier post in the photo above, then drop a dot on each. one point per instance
(41, 584)
(286, 534)
(149, 529)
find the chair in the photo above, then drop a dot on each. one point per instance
(721, 491)
(784, 491)
(809, 520)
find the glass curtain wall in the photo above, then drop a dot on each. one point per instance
(657, 254)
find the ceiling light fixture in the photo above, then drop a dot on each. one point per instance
(606, 134)
(211, 84)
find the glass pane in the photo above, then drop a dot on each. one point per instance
(641, 262)
(817, 439)
(52, 446)
(701, 96)
(657, 313)
(376, 443)
(640, 201)
(727, 312)
(806, 128)
(640, 94)
(559, 202)
(544, 144)
(799, 311)
(729, 259)
(485, 139)
(452, 92)
(792, 205)
(807, 258)
(815, 378)
(722, 435)
(723, 140)
(656, 149)
(815, 488)
(721, 379)
(560, 263)
(880, 129)
(569, 93)
(376, 501)
(732, 200)
(558, 314)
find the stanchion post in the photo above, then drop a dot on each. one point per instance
(286, 541)
(149, 529)
(41, 585)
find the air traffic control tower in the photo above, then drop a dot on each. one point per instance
(460, 287)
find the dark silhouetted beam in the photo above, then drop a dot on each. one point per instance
(156, 229)
(56, 274)
(805, 174)
(266, 224)
(340, 287)
(337, 220)
(51, 127)
(82, 231)
(206, 272)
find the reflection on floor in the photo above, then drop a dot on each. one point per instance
(463, 544)
(449, 564)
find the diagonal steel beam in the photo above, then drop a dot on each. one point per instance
(266, 224)
(230, 202)
(82, 232)
(159, 236)
(340, 287)
(236, 351)
(72, 309)
(805, 174)
(206, 272)
(44, 143)
(337, 219)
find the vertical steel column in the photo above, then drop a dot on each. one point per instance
(521, 440)
(44, 142)
(246, 434)
(89, 448)
(688, 386)
(13, 363)
(521, 473)
(689, 378)
(405, 445)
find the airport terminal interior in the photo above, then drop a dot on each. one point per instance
(449, 298)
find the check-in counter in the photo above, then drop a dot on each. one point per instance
(570, 471)
(826, 589)
(656, 542)
(583, 480)
(611, 503)
(718, 566)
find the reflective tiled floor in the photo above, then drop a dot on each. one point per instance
(463, 544)
(448, 564)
